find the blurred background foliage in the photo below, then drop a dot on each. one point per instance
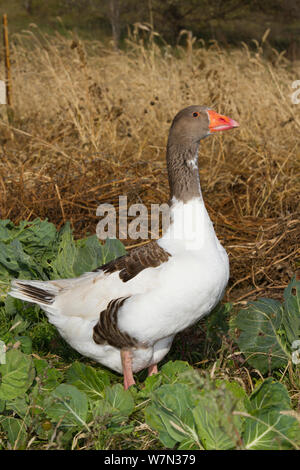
(229, 22)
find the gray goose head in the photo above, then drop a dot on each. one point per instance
(189, 126)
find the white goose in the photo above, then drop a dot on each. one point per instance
(126, 313)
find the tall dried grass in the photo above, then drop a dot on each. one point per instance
(91, 124)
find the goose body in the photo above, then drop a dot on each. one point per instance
(126, 313)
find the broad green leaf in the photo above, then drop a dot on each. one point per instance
(15, 430)
(269, 394)
(5, 277)
(38, 237)
(115, 408)
(151, 383)
(68, 405)
(112, 248)
(76, 258)
(88, 380)
(40, 365)
(173, 369)
(119, 399)
(20, 407)
(22, 261)
(33, 235)
(267, 427)
(217, 426)
(217, 323)
(259, 339)
(12, 306)
(35, 250)
(270, 429)
(170, 413)
(188, 444)
(238, 394)
(34, 243)
(5, 230)
(8, 258)
(16, 375)
(63, 264)
(26, 344)
(89, 255)
(291, 317)
(236, 390)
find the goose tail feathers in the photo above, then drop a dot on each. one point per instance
(39, 292)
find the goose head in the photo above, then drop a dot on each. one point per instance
(189, 126)
(194, 123)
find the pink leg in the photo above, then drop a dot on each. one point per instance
(126, 359)
(152, 369)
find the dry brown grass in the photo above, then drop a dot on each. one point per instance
(91, 124)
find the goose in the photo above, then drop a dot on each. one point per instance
(126, 313)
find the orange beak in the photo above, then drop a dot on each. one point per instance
(217, 122)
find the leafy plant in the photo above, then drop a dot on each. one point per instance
(35, 250)
(88, 380)
(170, 413)
(51, 401)
(220, 415)
(67, 405)
(17, 375)
(15, 430)
(265, 329)
(268, 425)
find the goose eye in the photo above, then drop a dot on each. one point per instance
(196, 114)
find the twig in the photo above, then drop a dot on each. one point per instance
(61, 203)
(7, 61)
